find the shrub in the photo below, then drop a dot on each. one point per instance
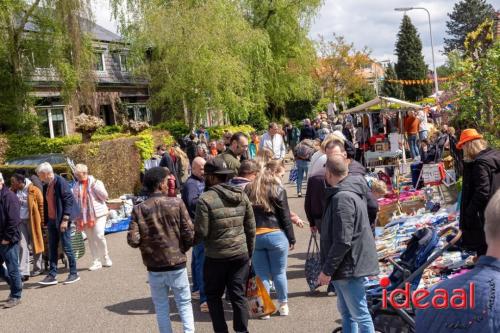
(109, 130)
(116, 162)
(21, 145)
(217, 132)
(178, 129)
(146, 146)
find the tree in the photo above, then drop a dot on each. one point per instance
(411, 65)
(286, 23)
(48, 34)
(202, 57)
(237, 57)
(467, 15)
(391, 89)
(340, 68)
(476, 86)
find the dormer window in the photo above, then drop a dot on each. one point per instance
(99, 61)
(120, 60)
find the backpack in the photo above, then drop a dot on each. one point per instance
(305, 149)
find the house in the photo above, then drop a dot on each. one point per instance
(118, 94)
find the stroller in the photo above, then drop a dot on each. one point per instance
(420, 253)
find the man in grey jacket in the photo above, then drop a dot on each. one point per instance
(348, 252)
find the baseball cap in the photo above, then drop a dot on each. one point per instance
(217, 166)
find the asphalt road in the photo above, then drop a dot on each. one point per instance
(118, 299)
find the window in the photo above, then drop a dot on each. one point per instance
(120, 61)
(99, 61)
(53, 122)
(138, 112)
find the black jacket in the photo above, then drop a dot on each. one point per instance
(280, 218)
(63, 198)
(357, 169)
(9, 215)
(307, 132)
(315, 202)
(347, 244)
(480, 181)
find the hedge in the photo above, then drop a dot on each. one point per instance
(13, 145)
(217, 132)
(178, 129)
(116, 162)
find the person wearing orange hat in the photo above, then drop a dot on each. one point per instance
(481, 179)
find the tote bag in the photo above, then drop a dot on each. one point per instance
(313, 263)
(259, 301)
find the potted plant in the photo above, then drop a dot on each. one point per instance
(87, 125)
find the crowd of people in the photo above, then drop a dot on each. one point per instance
(37, 214)
(226, 200)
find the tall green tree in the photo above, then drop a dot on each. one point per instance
(466, 16)
(42, 34)
(202, 57)
(391, 89)
(286, 24)
(411, 64)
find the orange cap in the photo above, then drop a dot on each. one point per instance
(467, 135)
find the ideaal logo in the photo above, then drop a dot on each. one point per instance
(441, 298)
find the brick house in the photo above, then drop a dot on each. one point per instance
(118, 94)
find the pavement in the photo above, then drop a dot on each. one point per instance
(118, 299)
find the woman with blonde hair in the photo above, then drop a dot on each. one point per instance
(90, 197)
(274, 232)
(182, 164)
(481, 178)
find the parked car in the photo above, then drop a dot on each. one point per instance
(55, 158)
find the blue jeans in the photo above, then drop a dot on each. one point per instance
(423, 135)
(197, 270)
(55, 235)
(351, 302)
(160, 284)
(10, 255)
(412, 141)
(270, 261)
(302, 168)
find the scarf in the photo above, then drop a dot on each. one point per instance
(86, 217)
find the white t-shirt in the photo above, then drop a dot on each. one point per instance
(275, 144)
(422, 116)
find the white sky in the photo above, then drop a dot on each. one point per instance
(371, 23)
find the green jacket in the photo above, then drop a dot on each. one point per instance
(232, 161)
(224, 221)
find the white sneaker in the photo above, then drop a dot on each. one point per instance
(284, 311)
(265, 317)
(107, 262)
(96, 264)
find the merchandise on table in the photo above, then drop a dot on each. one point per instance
(391, 242)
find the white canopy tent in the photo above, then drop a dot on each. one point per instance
(384, 102)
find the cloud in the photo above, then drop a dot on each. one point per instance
(375, 24)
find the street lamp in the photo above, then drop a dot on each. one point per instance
(406, 9)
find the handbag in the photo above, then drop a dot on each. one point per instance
(313, 263)
(259, 301)
(77, 243)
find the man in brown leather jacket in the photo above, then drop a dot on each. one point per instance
(162, 229)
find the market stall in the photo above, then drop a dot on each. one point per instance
(385, 153)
